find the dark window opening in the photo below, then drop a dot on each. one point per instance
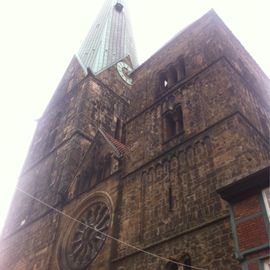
(123, 137)
(181, 69)
(118, 129)
(187, 262)
(179, 119)
(169, 77)
(170, 199)
(163, 80)
(173, 122)
(171, 266)
(172, 76)
(170, 125)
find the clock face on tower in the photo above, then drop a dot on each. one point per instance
(124, 70)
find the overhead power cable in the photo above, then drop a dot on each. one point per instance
(107, 235)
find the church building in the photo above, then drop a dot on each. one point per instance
(158, 166)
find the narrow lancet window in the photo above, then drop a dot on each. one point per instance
(179, 119)
(170, 125)
(118, 129)
(172, 74)
(170, 199)
(173, 122)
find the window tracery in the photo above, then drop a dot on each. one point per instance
(86, 239)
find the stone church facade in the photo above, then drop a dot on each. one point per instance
(133, 163)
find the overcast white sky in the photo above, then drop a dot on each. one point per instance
(39, 38)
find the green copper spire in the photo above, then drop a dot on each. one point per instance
(109, 40)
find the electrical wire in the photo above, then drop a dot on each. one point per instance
(106, 235)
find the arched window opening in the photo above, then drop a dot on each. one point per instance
(163, 80)
(179, 119)
(172, 74)
(123, 136)
(181, 72)
(118, 129)
(173, 122)
(171, 266)
(187, 262)
(170, 125)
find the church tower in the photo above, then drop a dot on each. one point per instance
(151, 166)
(78, 137)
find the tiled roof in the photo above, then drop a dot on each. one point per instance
(120, 147)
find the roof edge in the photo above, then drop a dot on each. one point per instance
(245, 186)
(209, 14)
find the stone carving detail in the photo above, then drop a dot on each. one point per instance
(193, 154)
(84, 243)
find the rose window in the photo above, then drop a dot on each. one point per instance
(85, 241)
